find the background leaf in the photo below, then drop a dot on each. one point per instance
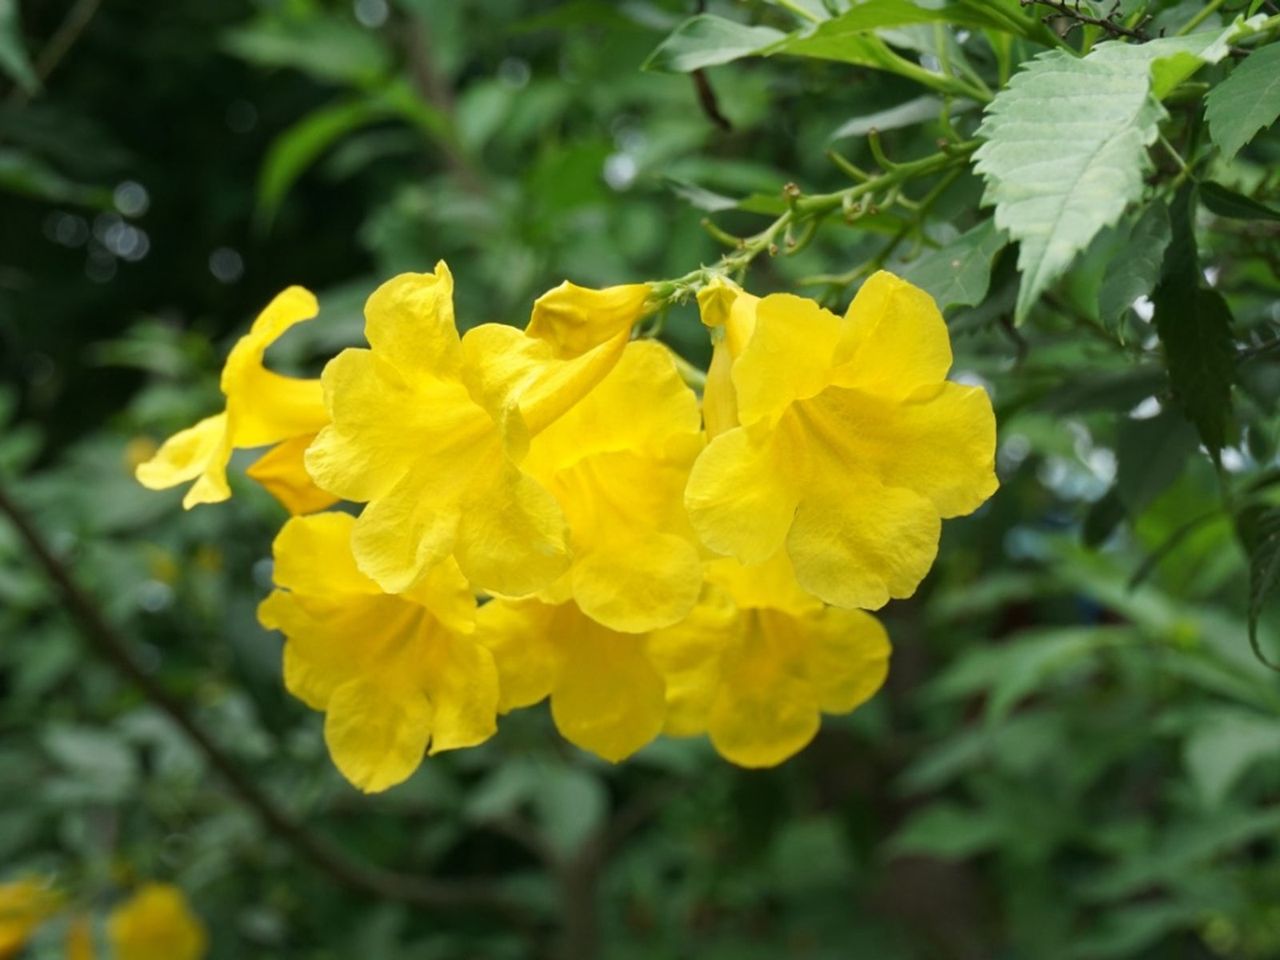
(959, 273)
(706, 41)
(1059, 169)
(1247, 101)
(13, 52)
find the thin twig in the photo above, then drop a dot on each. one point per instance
(1072, 11)
(63, 39)
(334, 861)
(707, 100)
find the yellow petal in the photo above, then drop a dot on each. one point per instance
(726, 307)
(849, 658)
(512, 537)
(403, 534)
(743, 491)
(576, 319)
(519, 635)
(771, 584)
(201, 451)
(788, 357)
(719, 398)
(764, 711)
(939, 440)
(377, 731)
(506, 367)
(461, 681)
(688, 657)
(79, 940)
(895, 339)
(156, 923)
(24, 905)
(282, 471)
(857, 543)
(640, 584)
(608, 698)
(265, 407)
(409, 322)
(312, 556)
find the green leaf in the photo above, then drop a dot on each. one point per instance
(906, 114)
(13, 53)
(703, 199)
(1194, 325)
(1150, 456)
(1170, 60)
(326, 48)
(25, 174)
(298, 147)
(1135, 274)
(949, 832)
(1258, 528)
(1246, 101)
(1223, 745)
(706, 41)
(826, 39)
(958, 274)
(1060, 168)
(1235, 206)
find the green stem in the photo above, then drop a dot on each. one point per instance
(1204, 13)
(798, 10)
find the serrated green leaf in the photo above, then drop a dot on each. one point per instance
(1245, 102)
(1194, 325)
(1170, 60)
(707, 41)
(1235, 206)
(1065, 154)
(1135, 274)
(959, 274)
(1258, 528)
(13, 53)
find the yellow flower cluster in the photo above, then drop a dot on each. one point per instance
(155, 923)
(554, 513)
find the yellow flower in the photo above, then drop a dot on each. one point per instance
(606, 696)
(263, 409)
(80, 939)
(393, 674)
(24, 905)
(760, 660)
(617, 462)
(430, 429)
(849, 445)
(156, 923)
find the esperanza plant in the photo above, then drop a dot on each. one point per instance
(554, 512)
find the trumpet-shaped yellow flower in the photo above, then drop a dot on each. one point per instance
(430, 429)
(394, 674)
(263, 409)
(759, 661)
(849, 447)
(617, 462)
(606, 696)
(24, 905)
(156, 923)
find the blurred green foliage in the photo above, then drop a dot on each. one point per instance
(1076, 754)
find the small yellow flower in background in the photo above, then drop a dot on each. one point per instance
(24, 905)
(156, 923)
(429, 429)
(80, 939)
(606, 696)
(393, 674)
(263, 409)
(618, 463)
(760, 660)
(850, 447)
